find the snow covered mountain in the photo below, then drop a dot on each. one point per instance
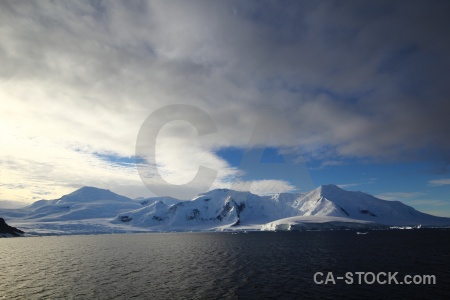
(220, 209)
(85, 203)
(91, 209)
(330, 200)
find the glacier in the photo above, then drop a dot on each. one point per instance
(91, 210)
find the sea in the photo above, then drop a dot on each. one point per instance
(229, 265)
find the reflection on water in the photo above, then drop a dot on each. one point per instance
(220, 265)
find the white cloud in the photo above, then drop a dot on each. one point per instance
(439, 182)
(439, 213)
(399, 196)
(12, 204)
(429, 202)
(264, 187)
(85, 76)
(347, 185)
(362, 182)
(328, 163)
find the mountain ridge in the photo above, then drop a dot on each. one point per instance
(219, 209)
(223, 207)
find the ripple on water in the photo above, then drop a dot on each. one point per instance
(219, 265)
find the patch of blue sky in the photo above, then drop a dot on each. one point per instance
(125, 161)
(235, 155)
(377, 178)
(268, 164)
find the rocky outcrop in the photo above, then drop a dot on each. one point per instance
(6, 230)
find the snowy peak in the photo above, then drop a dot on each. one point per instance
(87, 193)
(149, 201)
(329, 191)
(226, 193)
(330, 188)
(82, 204)
(330, 200)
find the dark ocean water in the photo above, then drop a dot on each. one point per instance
(256, 265)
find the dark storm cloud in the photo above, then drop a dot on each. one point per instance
(347, 78)
(369, 79)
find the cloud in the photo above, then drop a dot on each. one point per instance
(429, 202)
(35, 168)
(264, 187)
(439, 213)
(419, 201)
(362, 182)
(328, 163)
(439, 182)
(433, 207)
(344, 79)
(400, 196)
(349, 185)
(11, 204)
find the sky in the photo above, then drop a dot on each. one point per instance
(250, 95)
